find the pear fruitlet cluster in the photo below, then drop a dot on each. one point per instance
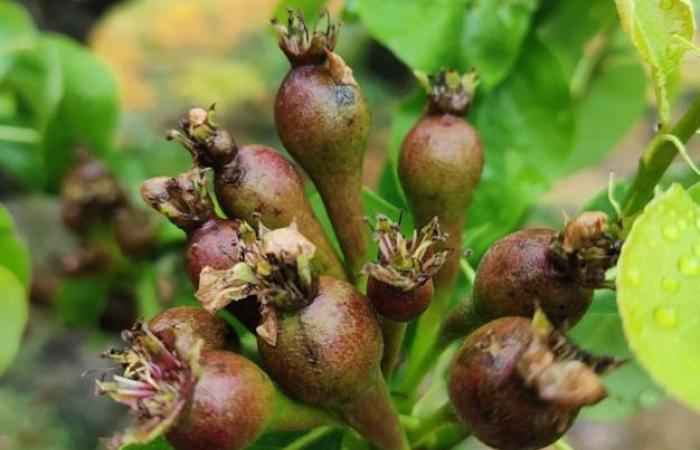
(326, 349)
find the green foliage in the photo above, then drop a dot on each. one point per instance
(14, 312)
(661, 31)
(59, 95)
(13, 253)
(79, 302)
(310, 8)
(658, 282)
(630, 388)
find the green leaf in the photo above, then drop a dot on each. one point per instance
(630, 387)
(493, 34)
(157, 444)
(88, 112)
(616, 90)
(13, 253)
(17, 33)
(527, 133)
(36, 84)
(310, 9)
(80, 302)
(658, 285)
(14, 312)
(424, 34)
(660, 29)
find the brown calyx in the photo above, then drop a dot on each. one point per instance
(449, 92)
(303, 46)
(406, 263)
(277, 269)
(209, 145)
(183, 199)
(585, 249)
(559, 371)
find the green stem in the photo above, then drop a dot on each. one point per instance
(294, 416)
(309, 438)
(656, 159)
(393, 334)
(444, 437)
(459, 322)
(441, 416)
(562, 445)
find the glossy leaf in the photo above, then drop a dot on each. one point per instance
(660, 29)
(493, 34)
(630, 387)
(658, 285)
(14, 312)
(13, 253)
(88, 112)
(17, 33)
(424, 34)
(36, 83)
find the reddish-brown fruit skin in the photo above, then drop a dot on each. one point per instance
(516, 273)
(188, 324)
(491, 398)
(324, 126)
(214, 244)
(440, 165)
(260, 180)
(396, 304)
(329, 351)
(231, 404)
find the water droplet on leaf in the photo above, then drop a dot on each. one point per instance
(665, 317)
(671, 232)
(633, 277)
(689, 265)
(670, 284)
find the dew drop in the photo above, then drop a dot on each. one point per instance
(666, 317)
(632, 275)
(670, 284)
(671, 232)
(689, 265)
(666, 4)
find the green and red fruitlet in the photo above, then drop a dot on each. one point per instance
(400, 284)
(323, 120)
(319, 338)
(199, 399)
(518, 384)
(559, 271)
(255, 182)
(181, 327)
(211, 241)
(440, 163)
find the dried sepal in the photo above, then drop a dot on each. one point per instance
(301, 45)
(199, 134)
(276, 269)
(559, 371)
(183, 199)
(156, 384)
(449, 92)
(406, 263)
(585, 249)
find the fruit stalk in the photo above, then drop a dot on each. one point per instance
(323, 120)
(255, 183)
(440, 165)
